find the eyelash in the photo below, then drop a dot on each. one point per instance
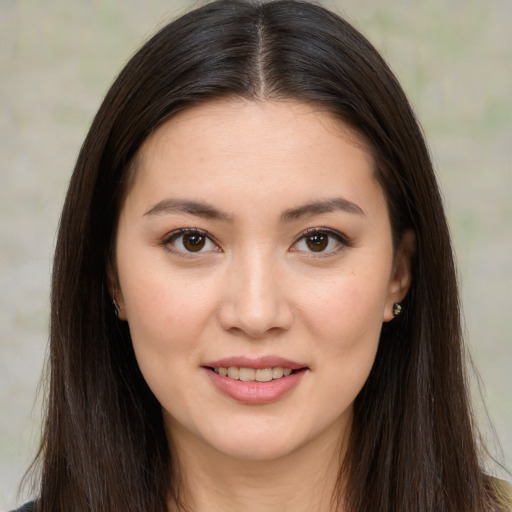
(340, 238)
(167, 242)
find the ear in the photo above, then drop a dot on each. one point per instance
(401, 277)
(114, 290)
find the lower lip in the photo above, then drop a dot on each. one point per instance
(254, 392)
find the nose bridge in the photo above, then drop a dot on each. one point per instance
(254, 301)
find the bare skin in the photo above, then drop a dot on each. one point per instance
(255, 236)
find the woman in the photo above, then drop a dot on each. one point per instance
(254, 300)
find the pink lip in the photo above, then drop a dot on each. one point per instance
(253, 392)
(258, 362)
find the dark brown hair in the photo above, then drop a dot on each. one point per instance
(412, 446)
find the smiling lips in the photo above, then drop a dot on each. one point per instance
(255, 382)
(252, 374)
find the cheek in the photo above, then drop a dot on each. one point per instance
(166, 312)
(167, 318)
(345, 319)
(346, 309)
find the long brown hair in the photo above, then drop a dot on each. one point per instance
(412, 446)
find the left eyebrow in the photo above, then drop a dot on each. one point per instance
(185, 206)
(319, 207)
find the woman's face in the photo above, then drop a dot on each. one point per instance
(255, 241)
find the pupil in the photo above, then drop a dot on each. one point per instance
(193, 243)
(317, 243)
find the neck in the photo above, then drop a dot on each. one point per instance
(302, 481)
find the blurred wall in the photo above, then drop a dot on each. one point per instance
(57, 59)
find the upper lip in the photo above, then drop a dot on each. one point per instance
(257, 362)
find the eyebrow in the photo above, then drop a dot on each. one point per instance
(207, 211)
(319, 207)
(188, 207)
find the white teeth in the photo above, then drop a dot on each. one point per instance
(277, 372)
(251, 374)
(233, 372)
(247, 374)
(263, 374)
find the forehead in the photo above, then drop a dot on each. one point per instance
(255, 149)
(256, 121)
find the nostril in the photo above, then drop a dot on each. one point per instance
(254, 314)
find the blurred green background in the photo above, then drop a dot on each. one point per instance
(57, 59)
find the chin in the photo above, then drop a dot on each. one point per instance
(257, 450)
(246, 439)
(265, 440)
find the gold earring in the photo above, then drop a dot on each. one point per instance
(397, 309)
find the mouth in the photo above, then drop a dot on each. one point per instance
(254, 374)
(255, 381)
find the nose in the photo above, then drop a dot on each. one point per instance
(254, 300)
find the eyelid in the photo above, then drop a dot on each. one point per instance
(342, 239)
(173, 235)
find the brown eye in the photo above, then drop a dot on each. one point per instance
(322, 242)
(189, 241)
(317, 242)
(194, 242)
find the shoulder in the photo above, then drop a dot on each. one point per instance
(503, 492)
(28, 507)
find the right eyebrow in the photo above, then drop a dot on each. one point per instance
(322, 206)
(189, 207)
